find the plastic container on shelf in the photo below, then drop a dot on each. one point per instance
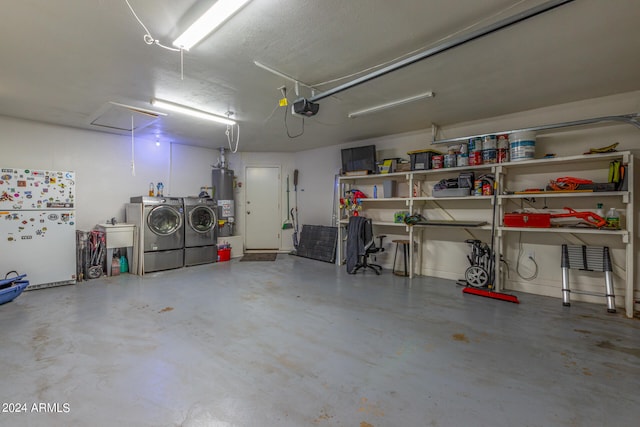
(522, 146)
(613, 218)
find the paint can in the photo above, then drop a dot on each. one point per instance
(486, 189)
(489, 142)
(475, 158)
(503, 148)
(522, 146)
(449, 160)
(462, 159)
(477, 187)
(489, 156)
(436, 161)
(475, 144)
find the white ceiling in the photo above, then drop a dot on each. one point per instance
(63, 60)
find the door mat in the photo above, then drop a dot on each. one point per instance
(259, 257)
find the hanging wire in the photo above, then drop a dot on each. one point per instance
(520, 253)
(133, 160)
(230, 131)
(148, 38)
(283, 90)
(286, 113)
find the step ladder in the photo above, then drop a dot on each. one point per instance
(588, 258)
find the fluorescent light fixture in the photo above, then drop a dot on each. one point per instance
(209, 21)
(159, 103)
(391, 104)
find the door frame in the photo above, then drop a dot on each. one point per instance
(244, 212)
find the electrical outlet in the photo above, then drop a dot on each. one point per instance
(531, 255)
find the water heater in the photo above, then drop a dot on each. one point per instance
(222, 183)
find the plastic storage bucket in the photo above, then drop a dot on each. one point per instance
(522, 146)
(224, 254)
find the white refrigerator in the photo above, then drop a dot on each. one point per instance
(37, 226)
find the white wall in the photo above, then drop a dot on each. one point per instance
(102, 162)
(445, 250)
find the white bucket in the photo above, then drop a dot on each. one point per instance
(522, 146)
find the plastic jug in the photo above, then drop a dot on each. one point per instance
(124, 264)
(613, 219)
(152, 189)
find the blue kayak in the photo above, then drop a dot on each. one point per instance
(11, 289)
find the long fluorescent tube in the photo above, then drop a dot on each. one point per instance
(391, 104)
(209, 21)
(159, 103)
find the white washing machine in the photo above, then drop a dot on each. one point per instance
(161, 220)
(201, 231)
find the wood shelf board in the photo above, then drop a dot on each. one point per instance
(571, 230)
(565, 194)
(431, 198)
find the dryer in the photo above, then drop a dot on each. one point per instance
(201, 231)
(161, 220)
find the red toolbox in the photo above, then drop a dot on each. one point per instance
(534, 220)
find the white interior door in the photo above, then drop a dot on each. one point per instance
(262, 208)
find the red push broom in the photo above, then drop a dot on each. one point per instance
(487, 292)
(490, 294)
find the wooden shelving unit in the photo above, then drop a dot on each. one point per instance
(413, 194)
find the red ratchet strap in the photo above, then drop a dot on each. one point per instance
(568, 183)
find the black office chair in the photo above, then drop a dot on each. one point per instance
(362, 245)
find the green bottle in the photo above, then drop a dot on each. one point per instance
(613, 219)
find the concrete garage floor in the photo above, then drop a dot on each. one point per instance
(298, 342)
